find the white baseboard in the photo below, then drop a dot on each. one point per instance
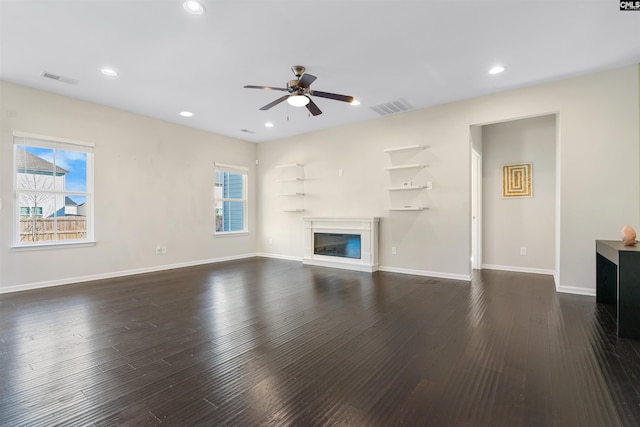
(277, 256)
(111, 275)
(519, 269)
(341, 265)
(436, 274)
(576, 290)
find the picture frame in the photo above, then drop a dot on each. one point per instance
(517, 180)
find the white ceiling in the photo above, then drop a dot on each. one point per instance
(424, 52)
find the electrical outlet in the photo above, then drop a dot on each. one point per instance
(340, 172)
(523, 251)
(159, 250)
(393, 250)
(164, 249)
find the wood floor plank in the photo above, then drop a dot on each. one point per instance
(272, 342)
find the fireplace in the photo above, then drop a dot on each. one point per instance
(337, 244)
(350, 243)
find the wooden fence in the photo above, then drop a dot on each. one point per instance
(36, 229)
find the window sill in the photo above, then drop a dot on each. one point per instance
(231, 234)
(57, 245)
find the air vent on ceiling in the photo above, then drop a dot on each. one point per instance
(59, 78)
(393, 107)
(248, 131)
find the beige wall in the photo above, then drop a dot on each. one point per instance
(597, 151)
(153, 182)
(153, 185)
(510, 224)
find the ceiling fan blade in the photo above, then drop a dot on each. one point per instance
(334, 96)
(313, 108)
(265, 87)
(274, 103)
(306, 80)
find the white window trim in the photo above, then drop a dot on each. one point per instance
(44, 141)
(243, 170)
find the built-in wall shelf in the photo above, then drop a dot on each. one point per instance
(406, 148)
(410, 166)
(290, 194)
(409, 208)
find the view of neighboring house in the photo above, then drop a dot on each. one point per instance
(40, 175)
(36, 173)
(70, 208)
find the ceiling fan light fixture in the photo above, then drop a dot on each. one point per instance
(298, 100)
(355, 102)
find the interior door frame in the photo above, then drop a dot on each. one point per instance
(476, 209)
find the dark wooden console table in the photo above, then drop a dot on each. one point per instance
(618, 282)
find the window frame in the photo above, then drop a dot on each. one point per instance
(60, 144)
(240, 170)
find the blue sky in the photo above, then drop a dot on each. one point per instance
(73, 161)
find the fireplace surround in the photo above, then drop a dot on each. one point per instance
(349, 243)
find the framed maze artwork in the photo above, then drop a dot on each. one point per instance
(517, 180)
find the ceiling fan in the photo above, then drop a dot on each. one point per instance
(300, 92)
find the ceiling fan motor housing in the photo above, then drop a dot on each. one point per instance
(293, 87)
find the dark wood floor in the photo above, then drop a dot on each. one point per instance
(271, 342)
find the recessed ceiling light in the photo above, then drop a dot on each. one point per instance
(109, 72)
(193, 7)
(355, 102)
(268, 125)
(186, 114)
(496, 70)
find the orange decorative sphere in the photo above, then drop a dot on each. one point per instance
(628, 236)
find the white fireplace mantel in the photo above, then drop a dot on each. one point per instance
(367, 228)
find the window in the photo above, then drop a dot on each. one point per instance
(30, 211)
(53, 184)
(230, 199)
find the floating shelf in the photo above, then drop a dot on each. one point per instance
(409, 208)
(290, 180)
(411, 166)
(411, 187)
(407, 148)
(289, 165)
